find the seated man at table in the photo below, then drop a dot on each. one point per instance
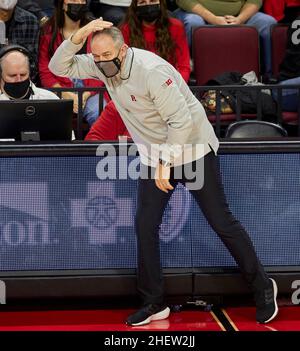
(15, 80)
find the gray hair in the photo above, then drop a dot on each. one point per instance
(112, 32)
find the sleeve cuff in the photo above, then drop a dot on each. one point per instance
(71, 47)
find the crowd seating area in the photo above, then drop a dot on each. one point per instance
(240, 52)
(215, 50)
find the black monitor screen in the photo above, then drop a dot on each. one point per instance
(28, 120)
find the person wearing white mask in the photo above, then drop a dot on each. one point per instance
(22, 28)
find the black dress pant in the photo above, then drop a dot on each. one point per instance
(151, 203)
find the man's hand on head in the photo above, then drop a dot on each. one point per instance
(93, 26)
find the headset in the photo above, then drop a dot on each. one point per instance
(15, 47)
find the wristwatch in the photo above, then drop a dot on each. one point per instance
(43, 20)
(165, 163)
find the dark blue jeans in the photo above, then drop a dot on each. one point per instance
(290, 97)
(212, 201)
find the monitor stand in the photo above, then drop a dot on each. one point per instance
(30, 136)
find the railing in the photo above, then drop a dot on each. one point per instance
(198, 91)
(80, 91)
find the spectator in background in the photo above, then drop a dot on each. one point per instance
(148, 26)
(47, 6)
(195, 13)
(289, 72)
(111, 10)
(69, 16)
(15, 76)
(282, 10)
(22, 28)
(42, 9)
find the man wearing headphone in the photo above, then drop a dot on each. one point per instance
(15, 80)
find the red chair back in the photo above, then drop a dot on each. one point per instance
(279, 42)
(217, 49)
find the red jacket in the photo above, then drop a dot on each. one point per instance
(275, 8)
(182, 53)
(48, 79)
(108, 126)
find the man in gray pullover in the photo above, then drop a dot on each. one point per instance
(173, 136)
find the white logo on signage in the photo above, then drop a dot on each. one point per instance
(25, 214)
(103, 212)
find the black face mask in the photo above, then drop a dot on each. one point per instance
(17, 90)
(76, 12)
(148, 13)
(110, 68)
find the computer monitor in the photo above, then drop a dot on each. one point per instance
(36, 120)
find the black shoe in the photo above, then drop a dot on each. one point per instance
(147, 314)
(266, 305)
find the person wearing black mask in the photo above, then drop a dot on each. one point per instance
(76, 10)
(15, 81)
(69, 16)
(148, 26)
(168, 124)
(148, 12)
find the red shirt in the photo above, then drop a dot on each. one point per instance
(108, 126)
(177, 32)
(275, 8)
(48, 79)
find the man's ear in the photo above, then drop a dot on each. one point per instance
(124, 49)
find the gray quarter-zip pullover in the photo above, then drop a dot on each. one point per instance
(159, 110)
